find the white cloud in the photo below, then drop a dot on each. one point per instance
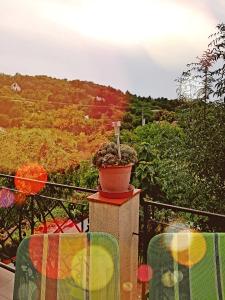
(171, 31)
(96, 39)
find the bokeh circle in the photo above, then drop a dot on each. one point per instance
(7, 198)
(92, 268)
(30, 171)
(188, 247)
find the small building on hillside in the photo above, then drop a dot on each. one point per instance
(15, 87)
(99, 99)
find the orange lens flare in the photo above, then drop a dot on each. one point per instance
(188, 248)
(20, 198)
(31, 171)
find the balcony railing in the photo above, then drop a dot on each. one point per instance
(158, 217)
(62, 208)
(59, 208)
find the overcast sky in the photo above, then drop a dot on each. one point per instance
(135, 45)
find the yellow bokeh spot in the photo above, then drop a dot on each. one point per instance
(127, 286)
(67, 251)
(169, 279)
(179, 275)
(92, 268)
(174, 227)
(188, 247)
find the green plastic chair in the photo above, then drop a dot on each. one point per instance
(187, 266)
(67, 266)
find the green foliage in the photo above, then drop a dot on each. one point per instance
(206, 76)
(217, 46)
(86, 175)
(162, 137)
(184, 163)
(147, 109)
(51, 148)
(157, 145)
(205, 148)
(201, 73)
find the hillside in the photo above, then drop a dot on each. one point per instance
(37, 109)
(180, 149)
(58, 123)
(42, 94)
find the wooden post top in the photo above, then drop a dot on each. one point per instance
(118, 202)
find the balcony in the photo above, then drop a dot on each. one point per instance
(7, 282)
(66, 211)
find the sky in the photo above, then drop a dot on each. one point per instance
(135, 45)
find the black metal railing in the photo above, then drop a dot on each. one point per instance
(156, 217)
(56, 209)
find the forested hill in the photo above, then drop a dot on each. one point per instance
(58, 123)
(41, 101)
(41, 94)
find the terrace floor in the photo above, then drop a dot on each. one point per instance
(6, 284)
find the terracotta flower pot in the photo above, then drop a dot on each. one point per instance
(115, 179)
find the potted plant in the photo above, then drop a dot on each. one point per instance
(114, 167)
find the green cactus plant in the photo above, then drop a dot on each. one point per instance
(108, 155)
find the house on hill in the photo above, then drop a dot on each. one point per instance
(99, 99)
(15, 87)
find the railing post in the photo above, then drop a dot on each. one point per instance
(82, 218)
(32, 213)
(120, 217)
(145, 230)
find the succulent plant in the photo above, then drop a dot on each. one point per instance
(108, 155)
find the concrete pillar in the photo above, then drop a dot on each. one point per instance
(120, 217)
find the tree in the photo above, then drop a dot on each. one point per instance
(197, 81)
(205, 152)
(53, 149)
(203, 75)
(184, 88)
(157, 144)
(217, 46)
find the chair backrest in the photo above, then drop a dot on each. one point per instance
(67, 266)
(187, 266)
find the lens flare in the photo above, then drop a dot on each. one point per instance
(173, 227)
(188, 247)
(92, 268)
(127, 286)
(169, 279)
(61, 251)
(20, 198)
(31, 171)
(7, 198)
(179, 275)
(144, 273)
